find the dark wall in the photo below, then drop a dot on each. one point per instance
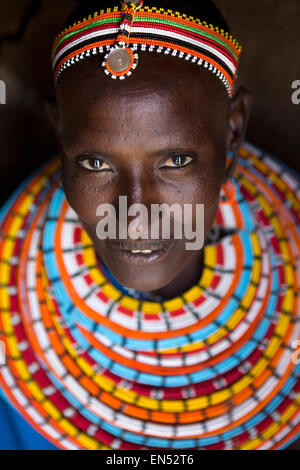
(268, 29)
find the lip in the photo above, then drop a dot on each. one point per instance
(160, 250)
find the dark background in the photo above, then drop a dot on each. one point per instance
(269, 30)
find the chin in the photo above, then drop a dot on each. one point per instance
(146, 284)
(141, 271)
(141, 278)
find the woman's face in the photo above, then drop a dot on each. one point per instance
(156, 137)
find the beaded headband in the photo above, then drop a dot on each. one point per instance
(120, 33)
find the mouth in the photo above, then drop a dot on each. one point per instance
(143, 252)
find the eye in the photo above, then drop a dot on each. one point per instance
(94, 164)
(177, 161)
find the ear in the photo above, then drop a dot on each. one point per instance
(239, 113)
(54, 118)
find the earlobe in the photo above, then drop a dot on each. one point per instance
(53, 115)
(240, 108)
(239, 113)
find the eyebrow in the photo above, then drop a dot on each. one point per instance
(157, 153)
(172, 150)
(77, 152)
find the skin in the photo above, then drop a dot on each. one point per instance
(136, 127)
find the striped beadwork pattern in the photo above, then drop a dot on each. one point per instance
(92, 368)
(153, 30)
(122, 42)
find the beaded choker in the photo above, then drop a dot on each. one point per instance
(92, 367)
(119, 34)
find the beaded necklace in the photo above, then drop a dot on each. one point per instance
(92, 367)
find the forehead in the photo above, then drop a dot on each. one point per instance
(164, 94)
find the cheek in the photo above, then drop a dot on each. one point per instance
(207, 194)
(211, 208)
(83, 193)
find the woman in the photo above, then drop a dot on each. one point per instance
(133, 343)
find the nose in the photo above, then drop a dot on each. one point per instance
(138, 227)
(138, 188)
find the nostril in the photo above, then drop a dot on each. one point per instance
(138, 226)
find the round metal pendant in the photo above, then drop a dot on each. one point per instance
(135, 2)
(119, 62)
